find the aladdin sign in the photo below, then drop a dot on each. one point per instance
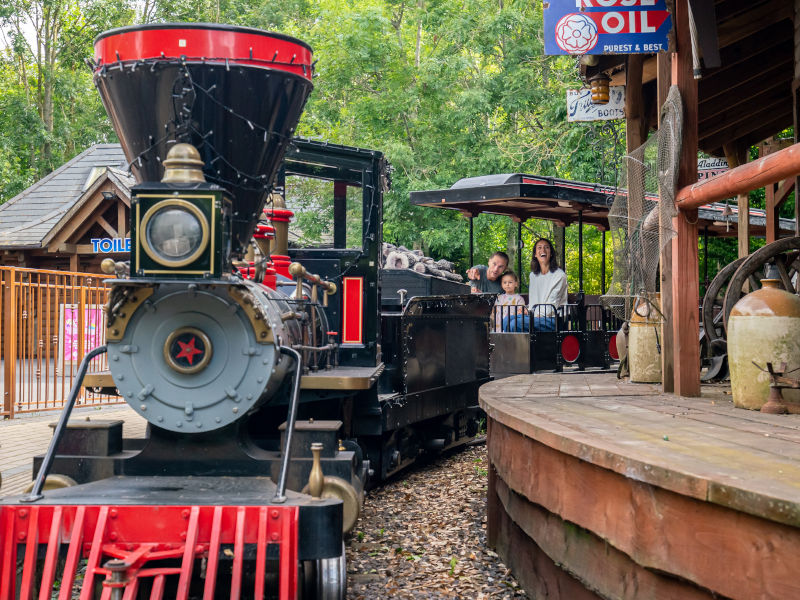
(106, 245)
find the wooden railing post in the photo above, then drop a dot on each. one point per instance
(9, 341)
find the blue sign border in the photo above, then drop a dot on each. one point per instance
(605, 27)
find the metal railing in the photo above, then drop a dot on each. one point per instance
(48, 322)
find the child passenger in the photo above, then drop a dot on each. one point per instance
(508, 316)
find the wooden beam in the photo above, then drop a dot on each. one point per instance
(64, 249)
(753, 20)
(728, 118)
(105, 225)
(785, 188)
(667, 343)
(779, 77)
(741, 180)
(737, 155)
(731, 8)
(685, 266)
(781, 122)
(78, 220)
(120, 219)
(732, 55)
(751, 68)
(757, 120)
(73, 263)
(649, 71)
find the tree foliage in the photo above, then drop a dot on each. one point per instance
(446, 88)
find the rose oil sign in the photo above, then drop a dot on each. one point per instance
(606, 26)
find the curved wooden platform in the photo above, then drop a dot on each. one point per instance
(604, 489)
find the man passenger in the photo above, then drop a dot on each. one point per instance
(487, 279)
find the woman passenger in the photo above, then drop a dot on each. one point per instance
(548, 287)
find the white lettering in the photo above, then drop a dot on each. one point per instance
(645, 27)
(620, 22)
(606, 2)
(632, 21)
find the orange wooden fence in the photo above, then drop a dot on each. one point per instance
(49, 320)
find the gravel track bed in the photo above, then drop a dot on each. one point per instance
(423, 535)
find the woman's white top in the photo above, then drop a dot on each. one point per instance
(550, 288)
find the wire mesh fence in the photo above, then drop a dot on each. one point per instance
(49, 321)
(641, 216)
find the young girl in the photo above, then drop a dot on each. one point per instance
(505, 318)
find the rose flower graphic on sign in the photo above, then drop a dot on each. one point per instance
(576, 34)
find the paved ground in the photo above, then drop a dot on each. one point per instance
(24, 437)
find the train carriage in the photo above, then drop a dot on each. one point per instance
(583, 332)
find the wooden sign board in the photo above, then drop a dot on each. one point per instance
(580, 107)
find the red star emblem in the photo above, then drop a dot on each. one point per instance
(188, 351)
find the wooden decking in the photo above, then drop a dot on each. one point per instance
(617, 485)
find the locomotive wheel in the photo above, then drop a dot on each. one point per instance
(784, 254)
(710, 301)
(325, 579)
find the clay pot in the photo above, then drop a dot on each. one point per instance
(763, 327)
(644, 359)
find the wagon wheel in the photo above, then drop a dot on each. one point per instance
(711, 300)
(784, 254)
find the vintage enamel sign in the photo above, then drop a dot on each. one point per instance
(580, 107)
(606, 26)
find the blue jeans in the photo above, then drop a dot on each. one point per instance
(521, 324)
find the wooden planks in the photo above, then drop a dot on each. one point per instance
(733, 554)
(741, 459)
(584, 555)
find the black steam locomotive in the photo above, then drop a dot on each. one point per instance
(273, 399)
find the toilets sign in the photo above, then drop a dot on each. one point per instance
(107, 245)
(606, 26)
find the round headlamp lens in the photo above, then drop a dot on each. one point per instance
(174, 233)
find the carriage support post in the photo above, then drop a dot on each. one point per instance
(580, 251)
(603, 267)
(471, 257)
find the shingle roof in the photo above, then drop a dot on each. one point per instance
(27, 218)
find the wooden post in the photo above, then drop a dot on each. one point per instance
(635, 120)
(737, 154)
(73, 263)
(685, 268)
(9, 340)
(796, 103)
(667, 343)
(773, 224)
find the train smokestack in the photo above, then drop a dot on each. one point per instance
(234, 93)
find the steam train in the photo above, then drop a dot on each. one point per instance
(274, 393)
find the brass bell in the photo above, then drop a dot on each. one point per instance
(600, 91)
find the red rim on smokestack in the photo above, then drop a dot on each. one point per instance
(235, 93)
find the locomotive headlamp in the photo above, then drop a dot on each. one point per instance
(176, 233)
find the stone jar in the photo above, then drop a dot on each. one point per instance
(763, 327)
(644, 359)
